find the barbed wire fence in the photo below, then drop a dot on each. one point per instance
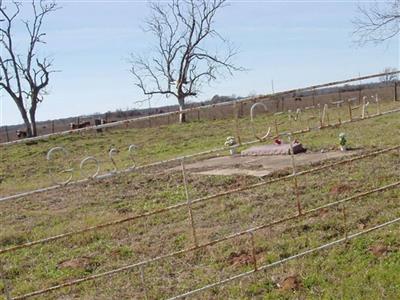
(300, 213)
(325, 122)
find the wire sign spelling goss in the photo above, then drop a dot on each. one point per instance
(67, 168)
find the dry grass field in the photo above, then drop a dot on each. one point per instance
(367, 267)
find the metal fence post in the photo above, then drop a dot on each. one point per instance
(189, 204)
(7, 287)
(253, 250)
(395, 91)
(142, 279)
(345, 222)
(296, 186)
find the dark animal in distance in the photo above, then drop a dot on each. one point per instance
(21, 134)
(80, 125)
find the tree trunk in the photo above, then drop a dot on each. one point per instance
(32, 111)
(24, 116)
(32, 116)
(182, 116)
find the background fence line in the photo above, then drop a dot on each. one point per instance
(232, 236)
(194, 201)
(199, 108)
(179, 158)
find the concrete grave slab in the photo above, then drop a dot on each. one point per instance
(258, 166)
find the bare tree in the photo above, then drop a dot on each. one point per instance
(24, 76)
(182, 63)
(389, 76)
(378, 22)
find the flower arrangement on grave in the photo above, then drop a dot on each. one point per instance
(230, 142)
(342, 141)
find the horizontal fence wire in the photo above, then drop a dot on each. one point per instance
(245, 100)
(194, 248)
(175, 159)
(279, 262)
(194, 201)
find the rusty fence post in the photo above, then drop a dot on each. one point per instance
(143, 281)
(253, 250)
(395, 91)
(189, 204)
(295, 183)
(6, 284)
(346, 234)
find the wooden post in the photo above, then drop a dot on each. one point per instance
(395, 91)
(52, 126)
(198, 115)
(7, 136)
(350, 113)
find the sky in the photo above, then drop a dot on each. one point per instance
(292, 43)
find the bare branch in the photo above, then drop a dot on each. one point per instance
(377, 23)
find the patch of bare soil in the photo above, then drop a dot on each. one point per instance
(379, 250)
(340, 189)
(290, 283)
(240, 258)
(83, 262)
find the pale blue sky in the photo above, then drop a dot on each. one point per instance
(295, 43)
